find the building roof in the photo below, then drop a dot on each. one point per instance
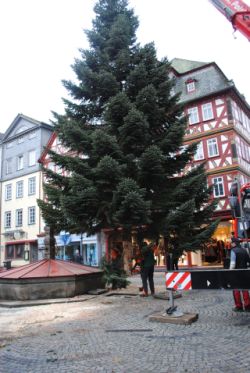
(33, 123)
(182, 66)
(48, 268)
(209, 79)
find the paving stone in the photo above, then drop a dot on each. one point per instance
(114, 335)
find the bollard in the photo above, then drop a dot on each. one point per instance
(172, 310)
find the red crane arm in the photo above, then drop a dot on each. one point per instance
(237, 12)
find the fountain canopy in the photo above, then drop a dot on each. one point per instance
(49, 278)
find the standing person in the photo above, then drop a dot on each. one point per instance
(147, 269)
(239, 259)
(138, 263)
(157, 254)
(175, 261)
(78, 257)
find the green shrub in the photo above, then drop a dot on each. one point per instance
(113, 275)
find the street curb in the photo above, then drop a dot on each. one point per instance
(43, 302)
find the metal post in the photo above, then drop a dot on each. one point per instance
(243, 218)
(172, 310)
(81, 253)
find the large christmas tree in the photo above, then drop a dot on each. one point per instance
(125, 129)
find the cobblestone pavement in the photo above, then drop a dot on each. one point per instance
(113, 334)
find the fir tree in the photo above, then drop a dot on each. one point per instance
(126, 131)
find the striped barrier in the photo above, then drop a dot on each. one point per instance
(178, 280)
(209, 279)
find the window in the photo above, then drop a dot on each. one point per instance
(51, 166)
(212, 147)
(9, 144)
(8, 192)
(19, 189)
(32, 158)
(19, 162)
(32, 215)
(218, 187)
(199, 152)
(7, 219)
(31, 186)
(32, 135)
(193, 115)
(19, 217)
(14, 251)
(190, 86)
(20, 139)
(207, 111)
(8, 166)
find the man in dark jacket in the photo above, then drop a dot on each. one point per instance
(239, 259)
(147, 268)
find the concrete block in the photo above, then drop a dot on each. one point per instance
(165, 295)
(185, 319)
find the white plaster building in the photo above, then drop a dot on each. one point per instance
(21, 185)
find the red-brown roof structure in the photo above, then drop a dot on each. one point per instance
(48, 268)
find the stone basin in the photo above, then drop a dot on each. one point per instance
(48, 279)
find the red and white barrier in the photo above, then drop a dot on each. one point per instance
(178, 280)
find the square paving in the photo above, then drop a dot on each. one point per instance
(113, 334)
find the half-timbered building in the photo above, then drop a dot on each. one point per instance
(219, 121)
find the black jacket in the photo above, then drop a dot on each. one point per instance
(242, 257)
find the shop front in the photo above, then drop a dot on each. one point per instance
(78, 248)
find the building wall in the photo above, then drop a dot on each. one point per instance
(90, 248)
(219, 121)
(21, 187)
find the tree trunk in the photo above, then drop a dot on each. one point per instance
(127, 256)
(49, 243)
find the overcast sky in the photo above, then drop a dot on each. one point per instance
(39, 40)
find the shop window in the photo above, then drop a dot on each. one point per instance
(14, 251)
(90, 254)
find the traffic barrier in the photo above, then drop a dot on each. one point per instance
(204, 280)
(209, 279)
(178, 280)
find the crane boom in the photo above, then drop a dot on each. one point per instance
(237, 12)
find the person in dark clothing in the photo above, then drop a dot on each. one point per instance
(175, 263)
(78, 257)
(147, 269)
(239, 259)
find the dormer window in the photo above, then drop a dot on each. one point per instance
(190, 85)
